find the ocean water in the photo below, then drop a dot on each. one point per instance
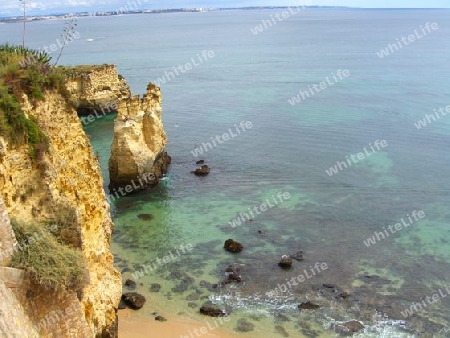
(288, 149)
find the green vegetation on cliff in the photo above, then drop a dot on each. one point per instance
(50, 263)
(24, 71)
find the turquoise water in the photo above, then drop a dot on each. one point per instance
(288, 149)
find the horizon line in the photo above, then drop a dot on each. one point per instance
(207, 9)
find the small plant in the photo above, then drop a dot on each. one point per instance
(24, 4)
(69, 231)
(67, 35)
(49, 263)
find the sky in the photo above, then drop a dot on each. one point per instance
(42, 7)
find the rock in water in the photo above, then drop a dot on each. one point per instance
(297, 256)
(286, 262)
(233, 246)
(308, 306)
(138, 159)
(122, 305)
(160, 319)
(348, 328)
(130, 284)
(212, 312)
(202, 171)
(133, 300)
(155, 287)
(243, 325)
(146, 216)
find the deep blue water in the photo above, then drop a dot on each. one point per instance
(288, 149)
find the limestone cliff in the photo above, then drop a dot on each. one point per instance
(98, 88)
(137, 150)
(66, 178)
(7, 237)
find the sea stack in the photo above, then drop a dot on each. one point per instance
(138, 157)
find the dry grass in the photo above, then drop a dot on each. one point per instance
(53, 265)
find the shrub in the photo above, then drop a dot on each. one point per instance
(69, 231)
(23, 70)
(49, 263)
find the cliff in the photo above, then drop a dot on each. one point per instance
(95, 88)
(138, 158)
(62, 184)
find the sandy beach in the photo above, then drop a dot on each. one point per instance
(131, 326)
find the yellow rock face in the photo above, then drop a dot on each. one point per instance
(139, 141)
(67, 176)
(95, 87)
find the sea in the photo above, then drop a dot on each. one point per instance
(345, 166)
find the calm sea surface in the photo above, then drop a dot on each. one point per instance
(288, 149)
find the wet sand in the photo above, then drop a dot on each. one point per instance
(132, 326)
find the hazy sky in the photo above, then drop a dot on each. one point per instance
(12, 7)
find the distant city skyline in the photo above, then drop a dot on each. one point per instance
(44, 7)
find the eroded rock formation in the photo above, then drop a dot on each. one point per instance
(65, 178)
(95, 88)
(138, 158)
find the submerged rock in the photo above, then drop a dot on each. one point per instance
(200, 162)
(308, 306)
(343, 295)
(122, 304)
(160, 319)
(281, 330)
(232, 275)
(243, 325)
(124, 270)
(212, 312)
(233, 246)
(297, 256)
(146, 216)
(133, 300)
(130, 284)
(329, 286)
(155, 287)
(348, 328)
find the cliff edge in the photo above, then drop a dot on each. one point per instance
(49, 174)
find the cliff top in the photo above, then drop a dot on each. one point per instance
(79, 70)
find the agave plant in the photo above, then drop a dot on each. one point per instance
(22, 55)
(24, 4)
(67, 35)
